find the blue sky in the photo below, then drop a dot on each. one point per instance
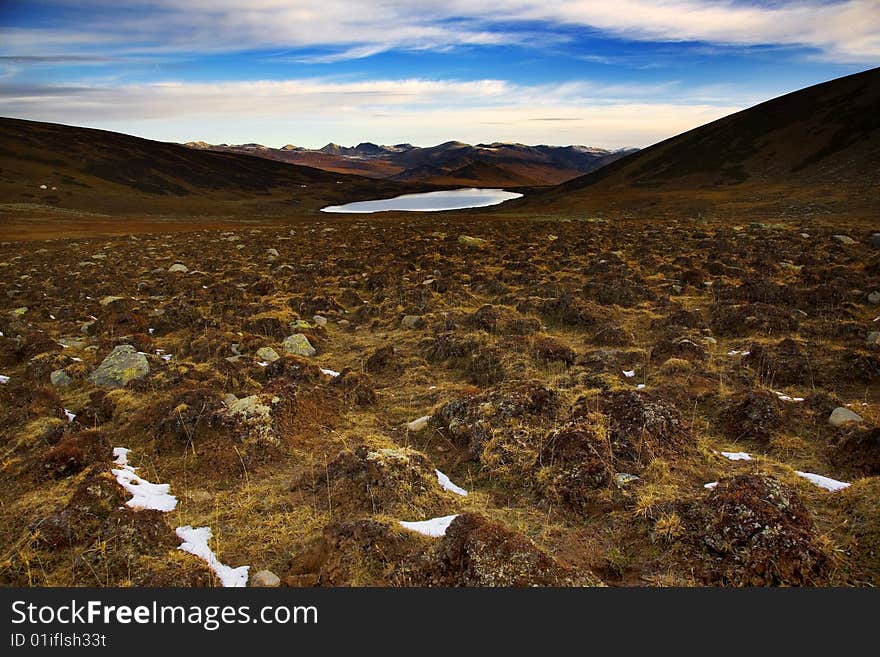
(601, 73)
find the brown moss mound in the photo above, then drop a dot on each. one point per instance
(122, 541)
(751, 415)
(575, 461)
(643, 427)
(756, 531)
(478, 552)
(391, 480)
(95, 498)
(76, 452)
(470, 422)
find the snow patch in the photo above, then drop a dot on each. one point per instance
(736, 456)
(4, 379)
(332, 373)
(783, 397)
(446, 484)
(434, 527)
(145, 494)
(629, 373)
(70, 416)
(823, 482)
(711, 485)
(121, 454)
(738, 353)
(640, 386)
(195, 541)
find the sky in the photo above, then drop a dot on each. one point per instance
(603, 73)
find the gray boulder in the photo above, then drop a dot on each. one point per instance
(121, 365)
(842, 415)
(298, 345)
(60, 379)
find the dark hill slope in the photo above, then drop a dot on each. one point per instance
(814, 150)
(102, 171)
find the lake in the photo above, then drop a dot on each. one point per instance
(453, 199)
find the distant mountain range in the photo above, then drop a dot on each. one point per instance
(450, 163)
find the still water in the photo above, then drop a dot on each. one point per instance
(453, 199)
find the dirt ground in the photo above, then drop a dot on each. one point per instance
(581, 377)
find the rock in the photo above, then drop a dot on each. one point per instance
(875, 240)
(300, 324)
(319, 320)
(624, 478)
(18, 312)
(842, 415)
(106, 301)
(419, 424)
(122, 365)
(267, 354)
(874, 297)
(467, 240)
(412, 322)
(273, 253)
(843, 239)
(298, 345)
(873, 338)
(178, 268)
(60, 378)
(265, 578)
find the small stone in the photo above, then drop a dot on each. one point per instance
(106, 301)
(178, 267)
(319, 320)
(300, 324)
(272, 253)
(624, 478)
(267, 354)
(875, 240)
(265, 579)
(842, 415)
(298, 345)
(18, 312)
(874, 297)
(121, 365)
(873, 338)
(467, 240)
(412, 322)
(843, 239)
(60, 379)
(419, 424)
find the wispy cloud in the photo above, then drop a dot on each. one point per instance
(416, 110)
(841, 30)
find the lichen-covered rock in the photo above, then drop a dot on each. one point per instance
(298, 345)
(267, 354)
(121, 365)
(254, 416)
(60, 379)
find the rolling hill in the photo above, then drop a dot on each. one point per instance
(814, 151)
(106, 172)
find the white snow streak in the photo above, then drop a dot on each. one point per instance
(434, 527)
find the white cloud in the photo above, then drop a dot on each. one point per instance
(309, 112)
(842, 30)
